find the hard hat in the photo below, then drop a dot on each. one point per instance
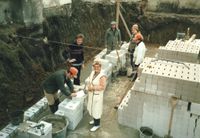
(73, 71)
(138, 36)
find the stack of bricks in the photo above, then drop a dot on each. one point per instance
(36, 109)
(115, 60)
(169, 78)
(181, 51)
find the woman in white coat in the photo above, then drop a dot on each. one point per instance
(96, 87)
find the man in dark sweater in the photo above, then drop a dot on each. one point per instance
(77, 53)
(56, 82)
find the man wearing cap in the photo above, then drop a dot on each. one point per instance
(112, 37)
(140, 50)
(56, 82)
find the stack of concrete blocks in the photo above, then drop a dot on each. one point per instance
(30, 130)
(169, 78)
(148, 102)
(9, 131)
(4, 135)
(181, 51)
(154, 111)
(101, 54)
(73, 110)
(36, 109)
(124, 47)
(116, 61)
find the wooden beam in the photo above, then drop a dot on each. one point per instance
(117, 12)
(124, 22)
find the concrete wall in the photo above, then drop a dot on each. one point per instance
(52, 3)
(163, 5)
(4, 5)
(32, 12)
(141, 109)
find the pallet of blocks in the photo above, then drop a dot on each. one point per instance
(180, 51)
(169, 78)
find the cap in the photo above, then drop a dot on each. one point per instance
(113, 22)
(73, 71)
(138, 36)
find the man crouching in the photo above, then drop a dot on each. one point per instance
(57, 81)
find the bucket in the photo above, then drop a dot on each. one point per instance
(146, 132)
(16, 117)
(59, 125)
(123, 72)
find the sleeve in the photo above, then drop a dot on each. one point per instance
(70, 85)
(106, 37)
(61, 85)
(102, 84)
(70, 51)
(120, 38)
(66, 54)
(140, 55)
(82, 56)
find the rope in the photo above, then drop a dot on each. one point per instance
(46, 41)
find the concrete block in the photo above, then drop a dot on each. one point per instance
(42, 105)
(28, 115)
(10, 129)
(43, 132)
(60, 113)
(195, 109)
(4, 135)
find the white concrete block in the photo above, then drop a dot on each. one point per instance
(28, 115)
(42, 132)
(4, 135)
(195, 108)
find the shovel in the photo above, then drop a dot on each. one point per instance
(173, 101)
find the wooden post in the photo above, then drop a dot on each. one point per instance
(117, 12)
(124, 22)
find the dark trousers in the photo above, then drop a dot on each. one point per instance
(77, 80)
(96, 122)
(131, 61)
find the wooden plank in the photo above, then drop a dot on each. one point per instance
(117, 12)
(124, 22)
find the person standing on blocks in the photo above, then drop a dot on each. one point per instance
(96, 88)
(77, 53)
(55, 82)
(112, 37)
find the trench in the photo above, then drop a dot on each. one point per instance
(25, 63)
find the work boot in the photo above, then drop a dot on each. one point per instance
(53, 108)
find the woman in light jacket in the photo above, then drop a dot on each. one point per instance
(96, 87)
